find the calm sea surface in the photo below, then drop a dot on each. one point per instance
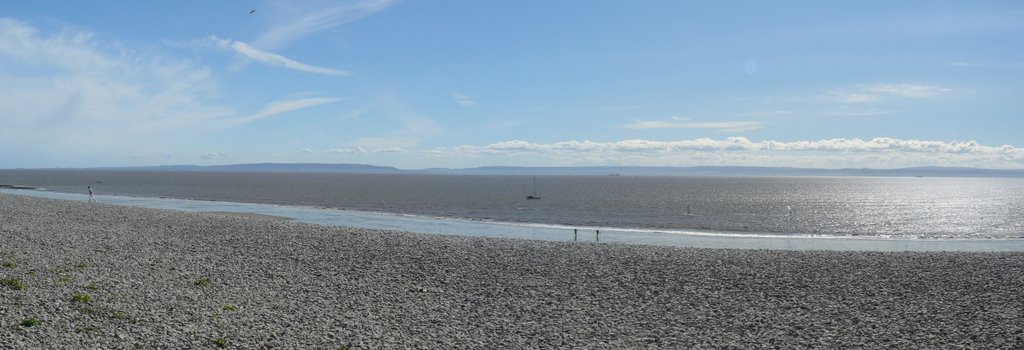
(854, 206)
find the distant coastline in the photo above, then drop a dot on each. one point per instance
(345, 168)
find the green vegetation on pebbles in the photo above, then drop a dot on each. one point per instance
(81, 298)
(13, 283)
(221, 342)
(30, 322)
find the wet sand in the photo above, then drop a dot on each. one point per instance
(248, 215)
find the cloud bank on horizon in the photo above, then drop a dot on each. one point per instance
(417, 85)
(829, 153)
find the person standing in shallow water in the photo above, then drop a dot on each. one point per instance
(91, 198)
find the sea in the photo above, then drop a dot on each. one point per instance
(868, 207)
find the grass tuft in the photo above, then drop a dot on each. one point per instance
(30, 322)
(202, 282)
(8, 264)
(81, 298)
(92, 286)
(221, 342)
(13, 283)
(120, 315)
(66, 280)
(229, 307)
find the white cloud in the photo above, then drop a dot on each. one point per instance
(881, 144)
(212, 155)
(463, 100)
(85, 95)
(278, 107)
(355, 150)
(298, 23)
(274, 59)
(362, 150)
(306, 150)
(830, 153)
(688, 123)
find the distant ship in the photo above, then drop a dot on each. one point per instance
(534, 196)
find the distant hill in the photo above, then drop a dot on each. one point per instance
(588, 170)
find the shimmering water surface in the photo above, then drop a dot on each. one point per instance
(843, 206)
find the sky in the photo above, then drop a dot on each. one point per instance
(424, 84)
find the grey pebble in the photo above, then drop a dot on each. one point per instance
(301, 286)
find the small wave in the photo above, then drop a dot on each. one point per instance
(18, 187)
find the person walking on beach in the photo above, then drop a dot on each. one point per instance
(91, 198)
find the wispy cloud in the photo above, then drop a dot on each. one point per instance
(853, 97)
(857, 113)
(278, 107)
(363, 150)
(766, 113)
(463, 100)
(988, 65)
(274, 59)
(906, 90)
(299, 23)
(877, 92)
(85, 94)
(405, 127)
(688, 123)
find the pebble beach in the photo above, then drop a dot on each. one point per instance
(86, 275)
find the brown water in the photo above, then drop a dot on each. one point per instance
(856, 206)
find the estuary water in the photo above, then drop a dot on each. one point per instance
(860, 207)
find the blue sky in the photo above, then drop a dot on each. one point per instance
(418, 84)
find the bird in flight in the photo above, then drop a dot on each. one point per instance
(252, 12)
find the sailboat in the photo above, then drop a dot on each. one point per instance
(534, 196)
